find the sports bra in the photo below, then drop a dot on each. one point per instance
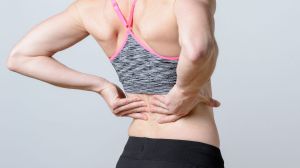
(140, 69)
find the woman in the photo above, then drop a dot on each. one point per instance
(168, 97)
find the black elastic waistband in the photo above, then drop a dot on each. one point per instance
(175, 150)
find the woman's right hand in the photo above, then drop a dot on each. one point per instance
(121, 105)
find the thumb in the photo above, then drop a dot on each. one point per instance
(214, 102)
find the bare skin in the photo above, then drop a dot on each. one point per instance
(185, 112)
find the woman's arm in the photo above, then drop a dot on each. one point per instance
(198, 46)
(33, 54)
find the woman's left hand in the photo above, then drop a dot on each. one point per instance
(176, 104)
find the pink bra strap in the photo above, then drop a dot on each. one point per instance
(131, 13)
(121, 16)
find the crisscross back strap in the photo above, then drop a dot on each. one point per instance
(127, 24)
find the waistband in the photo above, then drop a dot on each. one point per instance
(175, 150)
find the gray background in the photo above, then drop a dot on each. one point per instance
(256, 80)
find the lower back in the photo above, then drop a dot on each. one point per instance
(198, 125)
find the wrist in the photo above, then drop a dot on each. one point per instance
(187, 91)
(99, 85)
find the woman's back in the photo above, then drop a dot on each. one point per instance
(154, 22)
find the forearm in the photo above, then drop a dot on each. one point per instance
(50, 70)
(193, 74)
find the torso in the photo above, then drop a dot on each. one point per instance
(155, 23)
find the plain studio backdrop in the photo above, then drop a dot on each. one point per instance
(256, 80)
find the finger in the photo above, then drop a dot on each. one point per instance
(156, 102)
(124, 101)
(206, 100)
(160, 98)
(141, 116)
(214, 103)
(134, 110)
(168, 118)
(129, 106)
(156, 109)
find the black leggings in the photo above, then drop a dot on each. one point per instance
(144, 152)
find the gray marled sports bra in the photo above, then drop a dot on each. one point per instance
(140, 69)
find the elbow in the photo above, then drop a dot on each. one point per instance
(13, 61)
(199, 50)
